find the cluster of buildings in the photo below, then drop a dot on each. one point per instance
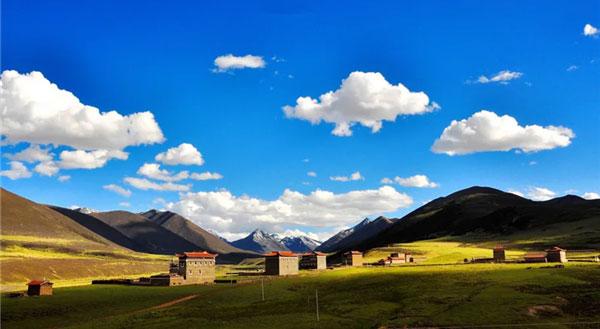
(552, 255)
(289, 263)
(396, 258)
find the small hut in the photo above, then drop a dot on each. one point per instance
(556, 255)
(39, 288)
(281, 263)
(499, 254)
(353, 258)
(313, 260)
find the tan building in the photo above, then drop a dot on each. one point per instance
(281, 263)
(353, 258)
(313, 261)
(556, 255)
(39, 288)
(197, 267)
(499, 254)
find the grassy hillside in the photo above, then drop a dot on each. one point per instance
(483, 294)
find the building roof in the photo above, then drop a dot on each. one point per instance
(281, 254)
(556, 248)
(353, 252)
(39, 282)
(196, 254)
(499, 247)
(395, 258)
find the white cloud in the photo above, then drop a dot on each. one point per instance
(17, 171)
(118, 189)
(591, 195)
(125, 204)
(34, 153)
(486, 131)
(540, 194)
(152, 170)
(144, 184)
(533, 163)
(365, 98)
(502, 77)
(184, 154)
(207, 175)
(39, 112)
(226, 213)
(231, 62)
(311, 174)
(159, 201)
(515, 192)
(590, 31)
(63, 178)
(421, 181)
(353, 177)
(79, 159)
(572, 68)
(47, 168)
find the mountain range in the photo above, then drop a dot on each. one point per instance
(349, 238)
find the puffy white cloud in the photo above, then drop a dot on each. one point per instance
(421, 181)
(590, 31)
(118, 189)
(152, 170)
(125, 204)
(37, 111)
(591, 195)
(145, 184)
(79, 159)
(540, 194)
(515, 192)
(184, 154)
(63, 178)
(311, 174)
(231, 62)
(226, 213)
(502, 77)
(34, 153)
(47, 168)
(17, 171)
(486, 131)
(366, 98)
(353, 177)
(207, 175)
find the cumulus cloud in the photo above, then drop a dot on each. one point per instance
(46, 168)
(184, 154)
(311, 174)
(502, 77)
(515, 192)
(145, 184)
(37, 111)
(152, 170)
(591, 195)
(118, 189)
(486, 131)
(420, 181)
(207, 175)
(80, 159)
(590, 31)
(32, 154)
(540, 194)
(366, 98)
(17, 171)
(226, 213)
(231, 62)
(353, 177)
(63, 178)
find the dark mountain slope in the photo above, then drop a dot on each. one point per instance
(151, 237)
(483, 210)
(330, 244)
(362, 233)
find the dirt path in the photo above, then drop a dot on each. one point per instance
(168, 304)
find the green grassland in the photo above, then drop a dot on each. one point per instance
(423, 294)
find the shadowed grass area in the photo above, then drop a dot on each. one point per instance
(349, 298)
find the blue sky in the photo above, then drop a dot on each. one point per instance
(160, 57)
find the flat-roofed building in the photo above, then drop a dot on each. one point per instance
(556, 255)
(197, 267)
(535, 257)
(353, 258)
(281, 263)
(313, 261)
(499, 254)
(39, 288)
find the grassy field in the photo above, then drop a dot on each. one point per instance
(474, 294)
(438, 290)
